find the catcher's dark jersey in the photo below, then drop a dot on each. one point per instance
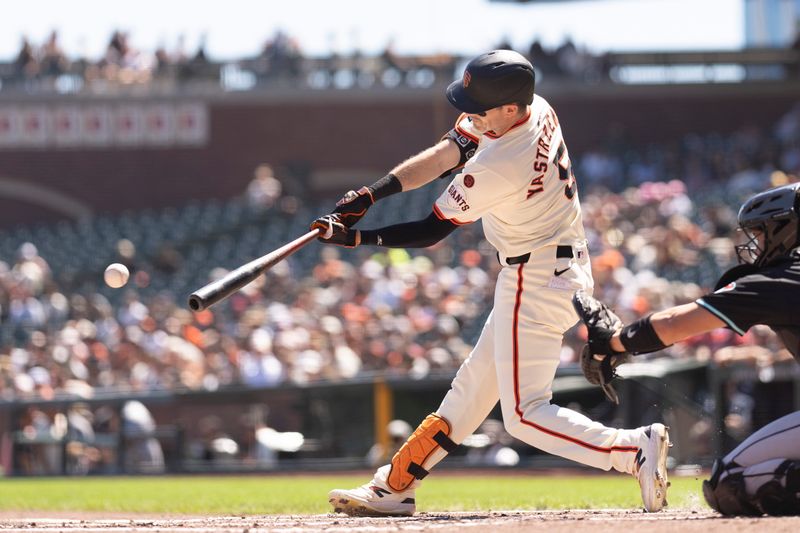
(747, 295)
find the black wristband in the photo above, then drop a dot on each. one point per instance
(386, 186)
(640, 337)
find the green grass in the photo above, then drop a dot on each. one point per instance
(307, 494)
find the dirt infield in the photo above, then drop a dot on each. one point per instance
(503, 521)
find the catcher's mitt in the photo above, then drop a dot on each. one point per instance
(601, 323)
(602, 372)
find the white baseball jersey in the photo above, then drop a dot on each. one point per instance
(520, 184)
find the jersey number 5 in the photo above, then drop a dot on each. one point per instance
(565, 170)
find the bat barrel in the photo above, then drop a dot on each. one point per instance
(220, 289)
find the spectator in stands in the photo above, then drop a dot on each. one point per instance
(393, 67)
(124, 64)
(82, 455)
(26, 65)
(163, 63)
(568, 57)
(398, 431)
(258, 366)
(281, 57)
(542, 59)
(143, 453)
(39, 452)
(53, 62)
(199, 67)
(264, 189)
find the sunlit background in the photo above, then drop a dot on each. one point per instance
(183, 139)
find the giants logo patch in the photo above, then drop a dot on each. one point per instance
(469, 181)
(457, 198)
(467, 78)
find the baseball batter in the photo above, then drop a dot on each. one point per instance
(762, 475)
(517, 178)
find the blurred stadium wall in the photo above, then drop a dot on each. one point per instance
(78, 154)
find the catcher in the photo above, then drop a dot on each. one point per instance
(762, 475)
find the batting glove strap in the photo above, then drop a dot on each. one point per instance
(333, 231)
(354, 205)
(640, 337)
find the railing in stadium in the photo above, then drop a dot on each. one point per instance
(375, 72)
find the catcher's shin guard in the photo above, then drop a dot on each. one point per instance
(728, 495)
(407, 463)
(780, 496)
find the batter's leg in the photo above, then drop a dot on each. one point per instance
(471, 397)
(530, 321)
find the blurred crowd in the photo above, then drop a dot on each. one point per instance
(38, 67)
(392, 313)
(656, 240)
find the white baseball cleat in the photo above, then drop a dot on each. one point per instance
(650, 468)
(371, 500)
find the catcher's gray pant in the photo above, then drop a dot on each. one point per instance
(515, 361)
(758, 457)
(762, 475)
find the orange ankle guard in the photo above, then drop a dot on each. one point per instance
(407, 462)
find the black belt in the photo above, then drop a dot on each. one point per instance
(562, 251)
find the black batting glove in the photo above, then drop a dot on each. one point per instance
(333, 231)
(353, 205)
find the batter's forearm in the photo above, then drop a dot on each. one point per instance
(414, 172)
(427, 165)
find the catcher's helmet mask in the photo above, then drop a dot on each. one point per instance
(493, 79)
(770, 222)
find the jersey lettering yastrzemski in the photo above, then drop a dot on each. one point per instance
(520, 184)
(767, 296)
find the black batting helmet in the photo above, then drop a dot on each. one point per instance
(491, 80)
(773, 214)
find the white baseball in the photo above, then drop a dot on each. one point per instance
(116, 275)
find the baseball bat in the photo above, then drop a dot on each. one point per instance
(215, 291)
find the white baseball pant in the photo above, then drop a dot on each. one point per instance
(515, 361)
